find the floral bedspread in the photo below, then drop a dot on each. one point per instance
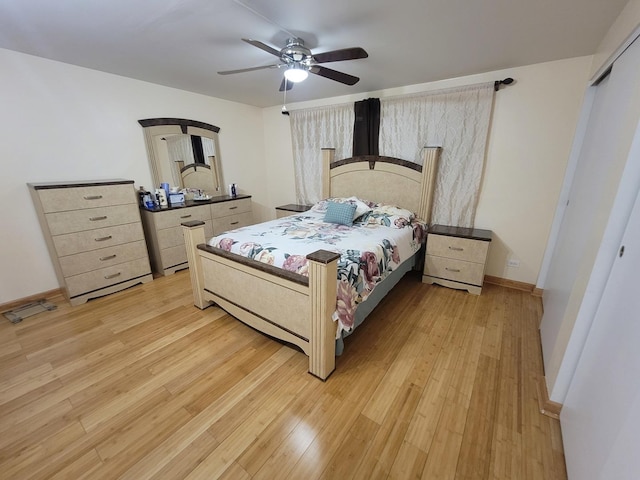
(374, 246)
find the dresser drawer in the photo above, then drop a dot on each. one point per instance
(105, 257)
(91, 218)
(232, 207)
(171, 237)
(105, 277)
(455, 270)
(78, 198)
(173, 256)
(457, 248)
(231, 222)
(174, 217)
(71, 243)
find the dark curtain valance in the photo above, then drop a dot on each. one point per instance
(366, 127)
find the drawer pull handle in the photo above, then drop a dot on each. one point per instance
(232, 208)
(185, 216)
(102, 239)
(114, 275)
(456, 270)
(457, 249)
(95, 219)
(234, 223)
(108, 257)
(92, 197)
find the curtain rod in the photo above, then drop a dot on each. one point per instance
(496, 87)
(506, 81)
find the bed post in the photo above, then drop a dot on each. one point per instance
(323, 271)
(328, 155)
(193, 236)
(430, 157)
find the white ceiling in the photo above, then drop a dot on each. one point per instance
(183, 43)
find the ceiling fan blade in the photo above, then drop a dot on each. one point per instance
(334, 75)
(262, 46)
(286, 83)
(251, 69)
(339, 55)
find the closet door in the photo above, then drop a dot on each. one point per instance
(577, 271)
(601, 414)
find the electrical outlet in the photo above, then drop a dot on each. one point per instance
(513, 262)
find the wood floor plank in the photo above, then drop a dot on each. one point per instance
(141, 384)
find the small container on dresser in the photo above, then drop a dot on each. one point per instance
(163, 231)
(94, 236)
(291, 209)
(456, 257)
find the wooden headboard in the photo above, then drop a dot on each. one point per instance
(383, 179)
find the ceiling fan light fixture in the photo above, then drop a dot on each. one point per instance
(296, 73)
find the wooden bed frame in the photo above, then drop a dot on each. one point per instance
(255, 292)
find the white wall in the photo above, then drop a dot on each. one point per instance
(70, 123)
(530, 139)
(60, 122)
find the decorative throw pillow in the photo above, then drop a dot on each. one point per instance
(340, 213)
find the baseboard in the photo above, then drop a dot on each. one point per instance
(31, 298)
(537, 292)
(546, 406)
(522, 286)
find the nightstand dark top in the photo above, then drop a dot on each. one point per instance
(294, 207)
(462, 232)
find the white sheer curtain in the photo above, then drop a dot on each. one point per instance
(208, 148)
(180, 150)
(458, 121)
(312, 130)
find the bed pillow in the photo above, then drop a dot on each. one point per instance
(388, 216)
(340, 213)
(361, 207)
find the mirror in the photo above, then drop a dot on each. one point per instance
(184, 153)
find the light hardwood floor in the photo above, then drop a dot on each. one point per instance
(140, 384)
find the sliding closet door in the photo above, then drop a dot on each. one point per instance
(576, 275)
(601, 414)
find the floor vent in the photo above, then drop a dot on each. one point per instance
(33, 308)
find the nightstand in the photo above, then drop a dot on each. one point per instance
(291, 209)
(456, 257)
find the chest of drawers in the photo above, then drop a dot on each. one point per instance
(94, 235)
(163, 231)
(456, 257)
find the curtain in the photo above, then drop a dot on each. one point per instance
(209, 149)
(180, 150)
(457, 120)
(311, 131)
(366, 127)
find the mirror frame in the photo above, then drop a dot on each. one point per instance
(174, 126)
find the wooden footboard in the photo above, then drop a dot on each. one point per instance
(281, 304)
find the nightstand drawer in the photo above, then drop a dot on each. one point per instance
(457, 248)
(455, 270)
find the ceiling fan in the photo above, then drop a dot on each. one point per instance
(298, 62)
